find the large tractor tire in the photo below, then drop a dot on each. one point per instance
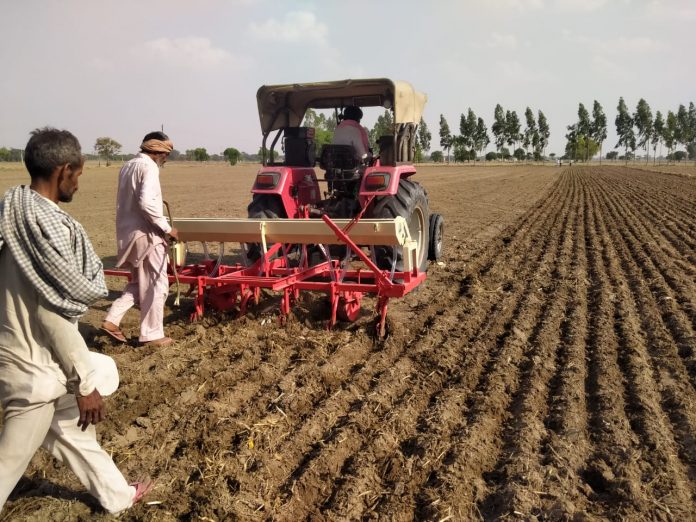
(263, 206)
(411, 203)
(437, 230)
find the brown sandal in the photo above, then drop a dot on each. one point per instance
(114, 333)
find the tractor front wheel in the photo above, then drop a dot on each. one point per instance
(437, 225)
(263, 206)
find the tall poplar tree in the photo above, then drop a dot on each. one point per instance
(544, 132)
(467, 127)
(424, 136)
(624, 128)
(643, 120)
(658, 130)
(512, 129)
(482, 140)
(686, 132)
(584, 129)
(530, 131)
(692, 126)
(498, 127)
(599, 126)
(669, 134)
(446, 138)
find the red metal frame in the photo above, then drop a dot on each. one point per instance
(298, 187)
(233, 286)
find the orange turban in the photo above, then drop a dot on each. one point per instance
(157, 146)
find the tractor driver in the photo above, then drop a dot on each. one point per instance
(350, 132)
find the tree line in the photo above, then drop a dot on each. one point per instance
(473, 137)
(108, 149)
(584, 138)
(634, 130)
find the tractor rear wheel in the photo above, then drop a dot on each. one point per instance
(263, 206)
(411, 203)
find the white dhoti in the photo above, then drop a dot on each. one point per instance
(53, 426)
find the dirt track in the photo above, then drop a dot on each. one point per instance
(547, 369)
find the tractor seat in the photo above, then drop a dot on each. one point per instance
(338, 157)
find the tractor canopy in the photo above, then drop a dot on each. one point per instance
(285, 105)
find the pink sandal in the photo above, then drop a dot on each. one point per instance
(142, 488)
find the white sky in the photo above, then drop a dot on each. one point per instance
(122, 68)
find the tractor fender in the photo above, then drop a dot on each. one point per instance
(391, 175)
(295, 186)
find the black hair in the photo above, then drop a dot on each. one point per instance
(49, 148)
(156, 135)
(352, 113)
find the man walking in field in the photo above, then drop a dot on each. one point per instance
(51, 386)
(141, 236)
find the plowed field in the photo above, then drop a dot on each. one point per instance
(547, 368)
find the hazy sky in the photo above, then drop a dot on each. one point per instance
(123, 68)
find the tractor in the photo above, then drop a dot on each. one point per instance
(379, 186)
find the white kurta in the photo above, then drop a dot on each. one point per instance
(140, 230)
(139, 206)
(44, 361)
(350, 132)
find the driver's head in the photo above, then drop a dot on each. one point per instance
(352, 113)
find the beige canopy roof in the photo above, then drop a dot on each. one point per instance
(285, 105)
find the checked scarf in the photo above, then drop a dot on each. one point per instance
(52, 251)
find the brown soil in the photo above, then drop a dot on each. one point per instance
(546, 369)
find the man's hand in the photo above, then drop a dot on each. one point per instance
(92, 409)
(174, 233)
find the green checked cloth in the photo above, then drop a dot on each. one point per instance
(52, 251)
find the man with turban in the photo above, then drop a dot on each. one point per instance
(141, 237)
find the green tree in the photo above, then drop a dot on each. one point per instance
(658, 129)
(670, 132)
(599, 126)
(107, 148)
(691, 149)
(232, 155)
(481, 139)
(200, 154)
(324, 127)
(624, 128)
(460, 151)
(572, 142)
(384, 126)
(437, 156)
(467, 128)
(446, 138)
(531, 133)
(512, 129)
(498, 128)
(612, 155)
(686, 134)
(424, 136)
(643, 120)
(692, 122)
(584, 129)
(544, 132)
(677, 155)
